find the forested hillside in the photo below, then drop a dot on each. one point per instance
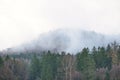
(69, 40)
(100, 63)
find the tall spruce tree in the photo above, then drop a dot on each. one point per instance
(49, 66)
(1, 61)
(86, 64)
(35, 68)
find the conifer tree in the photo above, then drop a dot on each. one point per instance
(86, 64)
(35, 68)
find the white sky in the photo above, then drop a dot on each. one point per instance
(23, 20)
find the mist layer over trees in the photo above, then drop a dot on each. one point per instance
(101, 63)
(69, 40)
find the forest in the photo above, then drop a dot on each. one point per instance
(99, 63)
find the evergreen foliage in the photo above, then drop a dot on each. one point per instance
(100, 63)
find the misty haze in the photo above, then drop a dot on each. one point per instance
(69, 40)
(59, 40)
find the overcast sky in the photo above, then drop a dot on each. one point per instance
(23, 20)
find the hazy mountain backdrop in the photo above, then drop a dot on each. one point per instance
(70, 40)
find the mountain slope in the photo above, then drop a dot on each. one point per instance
(70, 40)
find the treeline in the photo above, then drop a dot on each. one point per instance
(100, 63)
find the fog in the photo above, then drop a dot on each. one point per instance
(24, 20)
(69, 40)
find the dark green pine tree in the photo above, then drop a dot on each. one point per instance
(101, 58)
(1, 61)
(86, 64)
(49, 66)
(35, 68)
(7, 57)
(118, 54)
(107, 77)
(108, 50)
(94, 54)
